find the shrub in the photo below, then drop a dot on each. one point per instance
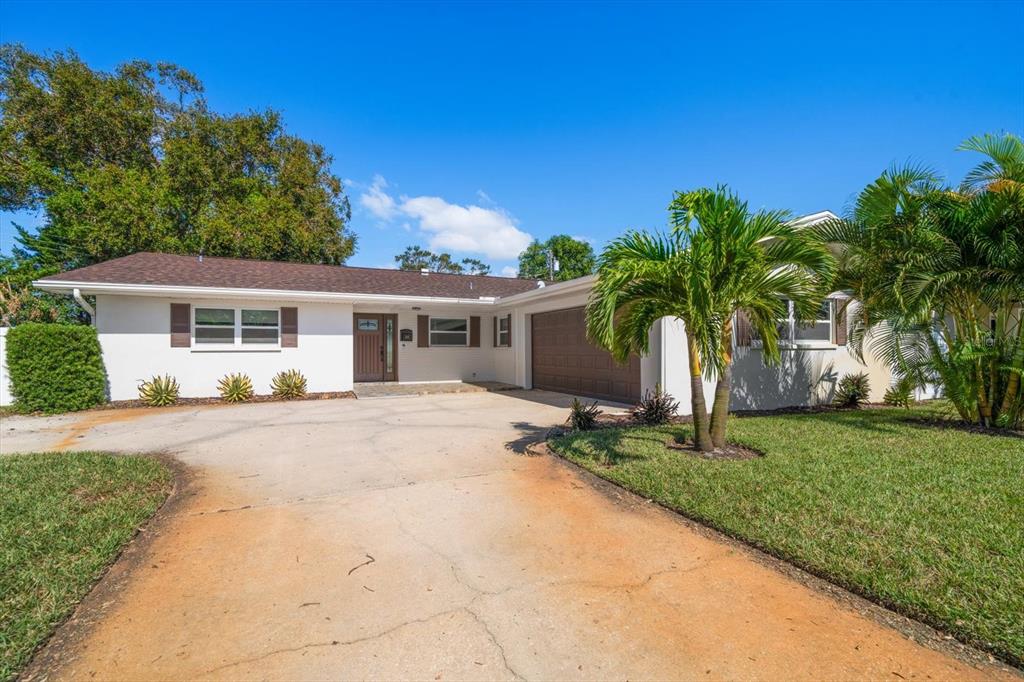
(159, 391)
(655, 408)
(853, 389)
(900, 394)
(582, 417)
(290, 384)
(235, 388)
(55, 367)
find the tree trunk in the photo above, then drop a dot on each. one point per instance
(1016, 361)
(701, 434)
(720, 407)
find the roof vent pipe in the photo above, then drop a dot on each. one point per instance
(424, 271)
(77, 295)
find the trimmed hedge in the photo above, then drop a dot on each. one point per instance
(55, 367)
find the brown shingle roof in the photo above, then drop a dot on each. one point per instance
(171, 270)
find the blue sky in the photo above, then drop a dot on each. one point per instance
(473, 127)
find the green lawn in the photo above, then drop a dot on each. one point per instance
(925, 520)
(63, 519)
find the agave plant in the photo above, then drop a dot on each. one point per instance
(655, 408)
(235, 388)
(159, 391)
(289, 384)
(853, 389)
(582, 417)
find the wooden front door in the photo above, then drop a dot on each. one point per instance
(376, 347)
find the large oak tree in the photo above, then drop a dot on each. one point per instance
(134, 160)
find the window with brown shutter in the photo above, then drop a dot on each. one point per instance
(181, 325)
(289, 327)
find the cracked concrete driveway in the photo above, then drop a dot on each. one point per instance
(407, 539)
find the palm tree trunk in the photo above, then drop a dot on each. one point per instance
(1016, 361)
(720, 407)
(701, 434)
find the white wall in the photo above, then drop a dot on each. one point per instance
(5, 387)
(134, 333)
(804, 377)
(447, 364)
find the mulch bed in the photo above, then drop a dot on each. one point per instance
(328, 395)
(957, 425)
(731, 451)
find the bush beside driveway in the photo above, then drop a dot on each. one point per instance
(920, 518)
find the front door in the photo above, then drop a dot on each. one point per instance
(376, 347)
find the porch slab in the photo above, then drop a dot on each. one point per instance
(391, 389)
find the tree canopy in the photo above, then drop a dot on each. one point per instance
(575, 258)
(134, 160)
(417, 258)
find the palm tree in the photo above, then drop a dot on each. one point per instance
(719, 258)
(940, 276)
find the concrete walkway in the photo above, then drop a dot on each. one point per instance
(409, 539)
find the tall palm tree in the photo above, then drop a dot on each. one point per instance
(719, 258)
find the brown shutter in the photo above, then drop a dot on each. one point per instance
(423, 331)
(495, 331)
(839, 326)
(181, 325)
(474, 332)
(509, 344)
(741, 332)
(289, 327)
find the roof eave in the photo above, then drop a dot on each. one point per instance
(172, 291)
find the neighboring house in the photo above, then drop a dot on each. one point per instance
(200, 318)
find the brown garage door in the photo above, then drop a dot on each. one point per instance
(564, 360)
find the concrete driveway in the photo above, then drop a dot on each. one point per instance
(409, 538)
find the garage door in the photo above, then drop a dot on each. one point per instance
(564, 360)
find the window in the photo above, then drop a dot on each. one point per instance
(215, 325)
(814, 333)
(504, 339)
(820, 329)
(260, 327)
(367, 324)
(233, 327)
(449, 331)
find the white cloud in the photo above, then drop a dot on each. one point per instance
(474, 229)
(510, 271)
(377, 201)
(489, 230)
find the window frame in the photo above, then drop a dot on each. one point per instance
(431, 331)
(505, 333)
(236, 345)
(790, 342)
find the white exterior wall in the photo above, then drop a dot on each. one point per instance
(134, 333)
(417, 364)
(5, 386)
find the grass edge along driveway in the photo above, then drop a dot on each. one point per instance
(64, 518)
(923, 519)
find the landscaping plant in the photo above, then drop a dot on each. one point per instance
(582, 417)
(719, 259)
(159, 391)
(289, 384)
(900, 394)
(235, 388)
(852, 390)
(939, 274)
(655, 408)
(55, 367)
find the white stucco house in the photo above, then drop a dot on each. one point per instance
(200, 318)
